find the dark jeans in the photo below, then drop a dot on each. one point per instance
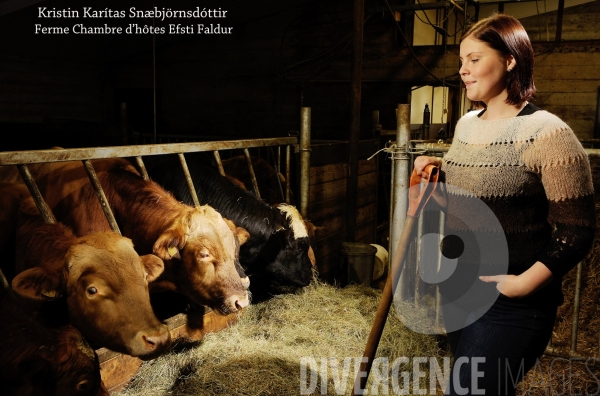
(510, 337)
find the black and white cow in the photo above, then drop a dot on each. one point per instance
(277, 255)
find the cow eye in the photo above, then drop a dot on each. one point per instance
(92, 290)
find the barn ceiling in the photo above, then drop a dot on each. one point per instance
(18, 19)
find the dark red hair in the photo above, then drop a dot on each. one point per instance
(505, 34)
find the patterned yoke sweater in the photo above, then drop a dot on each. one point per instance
(534, 175)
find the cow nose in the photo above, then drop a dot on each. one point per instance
(156, 343)
(246, 282)
(153, 341)
(241, 303)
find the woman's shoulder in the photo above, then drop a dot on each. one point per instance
(543, 124)
(550, 139)
(467, 119)
(548, 118)
(470, 115)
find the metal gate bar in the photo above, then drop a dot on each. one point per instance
(81, 154)
(47, 214)
(22, 158)
(112, 222)
(251, 170)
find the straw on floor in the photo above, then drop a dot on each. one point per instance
(262, 353)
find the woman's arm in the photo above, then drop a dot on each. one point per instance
(518, 286)
(557, 157)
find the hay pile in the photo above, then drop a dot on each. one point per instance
(260, 355)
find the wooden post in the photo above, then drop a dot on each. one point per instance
(356, 82)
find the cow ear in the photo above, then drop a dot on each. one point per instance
(169, 243)
(153, 266)
(311, 229)
(242, 235)
(37, 284)
(311, 256)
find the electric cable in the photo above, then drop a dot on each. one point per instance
(413, 53)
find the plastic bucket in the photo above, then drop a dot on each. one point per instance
(359, 260)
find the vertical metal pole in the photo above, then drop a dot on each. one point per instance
(576, 303)
(400, 183)
(280, 174)
(252, 174)
(188, 179)
(392, 205)
(376, 125)
(47, 214)
(355, 99)
(418, 261)
(142, 167)
(278, 171)
(376, 133)
(279, 159)
(89, 168)
(559, 20)
(288, 173)
(219, 162)
(438, 296)
(304, 161)
(4, 286)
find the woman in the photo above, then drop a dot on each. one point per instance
(529, 168)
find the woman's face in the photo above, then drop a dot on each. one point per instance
(483, 70)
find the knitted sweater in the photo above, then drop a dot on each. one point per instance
(534, 175)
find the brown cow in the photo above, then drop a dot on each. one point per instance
(36, 359)
(102, 279)
(198, 246)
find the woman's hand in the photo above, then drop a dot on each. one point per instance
(421, 163)
(519, 286)
(509, 285)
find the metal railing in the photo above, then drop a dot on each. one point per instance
(24, 158)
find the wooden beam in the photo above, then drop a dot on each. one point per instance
(356, 84)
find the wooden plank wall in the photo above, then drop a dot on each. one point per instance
(327, 201)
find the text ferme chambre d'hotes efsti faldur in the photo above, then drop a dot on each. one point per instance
(195, 21)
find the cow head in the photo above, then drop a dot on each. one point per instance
(105, 283)
(202, 249)
(77, 366)
(288, 256)
(39, 359)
